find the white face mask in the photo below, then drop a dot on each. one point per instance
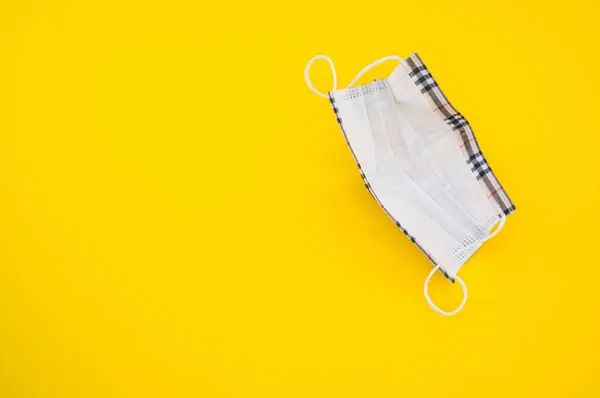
(413, 165)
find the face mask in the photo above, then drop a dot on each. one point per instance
(413, 165)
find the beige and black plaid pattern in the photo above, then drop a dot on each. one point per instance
(470, 148)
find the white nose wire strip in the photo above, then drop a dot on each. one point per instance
(456, 277)
(362, 72)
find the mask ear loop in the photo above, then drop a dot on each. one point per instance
(372, 65)
(490, 236)
(456, 277)
(358, 76)
(307, 78)
(500, 226)
(435, 307)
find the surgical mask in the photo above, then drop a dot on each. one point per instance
(411, 161)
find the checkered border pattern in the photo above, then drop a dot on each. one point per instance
(368, 186)
(473, 154)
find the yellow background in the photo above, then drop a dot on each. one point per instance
(180, 215)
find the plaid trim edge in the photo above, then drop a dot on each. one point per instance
(439, 103)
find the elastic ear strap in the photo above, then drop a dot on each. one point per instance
(490, 236)
(372, 65)
(435, 307)
(358, 76)
(500, 226)
(457, 278)
(307, 78)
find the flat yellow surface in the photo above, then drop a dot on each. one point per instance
(181, 217)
